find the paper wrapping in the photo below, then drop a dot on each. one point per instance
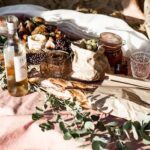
(130, 103)
(89, 65)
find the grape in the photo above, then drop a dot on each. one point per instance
(63, 44)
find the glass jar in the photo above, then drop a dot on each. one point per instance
(57, 64)
(112, 45)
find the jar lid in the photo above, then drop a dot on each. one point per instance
(110, 39)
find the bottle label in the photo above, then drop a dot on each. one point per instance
(9, 55)
(20, 68)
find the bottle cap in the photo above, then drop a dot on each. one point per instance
(12, 22)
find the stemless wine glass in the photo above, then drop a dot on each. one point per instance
(140, 64)
(57, 65)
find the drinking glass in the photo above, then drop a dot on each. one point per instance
(57, 65)
(140, 64)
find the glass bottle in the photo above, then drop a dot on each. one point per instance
(15, 63)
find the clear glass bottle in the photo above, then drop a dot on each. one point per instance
(15, 63)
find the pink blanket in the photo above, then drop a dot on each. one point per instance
(19, 132)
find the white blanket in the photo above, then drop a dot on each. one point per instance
(85, 25)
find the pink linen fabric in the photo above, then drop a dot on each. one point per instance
(19, 132)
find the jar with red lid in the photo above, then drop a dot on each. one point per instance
(112, 44)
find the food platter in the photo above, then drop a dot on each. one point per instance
(43, 39)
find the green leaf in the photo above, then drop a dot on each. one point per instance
(51, 125)
(96, 145)
(144, 135)
(146, 142)
(39, 109)
(112, 124)
(121, 146)
(100, 139)
(62, 127)
(127, 125)
(45, 106)
(137, 125)
(95, 117)
(37, 116)
(79, 132)
(46, 126)
(127, 134)
(79, 116)
(89, 125)
(101, 126)
(58, 118)
(135, 132)
(67, 136)
(99, 143)
(146, 126)
(126, 128)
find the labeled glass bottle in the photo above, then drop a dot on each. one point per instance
(15, 63)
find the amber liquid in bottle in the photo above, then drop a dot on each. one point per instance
(15, 88)
(15, 66)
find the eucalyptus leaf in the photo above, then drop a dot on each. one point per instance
(79, 132)
(67, 135)
(144, 135)
(39, 109)
(99, 143)
(46, 126)
(146, 142)
(121, 146)
(79, 116)
(62, 127)
(112, 124)
(37, 116)
(95, 117)
(100, 139)
(89, 125)
(126, 132)
(96, 145)
(137, 125)
(135, 133)
(101, 126)
(127, 125)
(146, 126)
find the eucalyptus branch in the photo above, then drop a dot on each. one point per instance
(86, 126)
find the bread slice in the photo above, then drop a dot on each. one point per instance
(60, 88)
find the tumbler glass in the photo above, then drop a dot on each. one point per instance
(140, 64)
(57, 65)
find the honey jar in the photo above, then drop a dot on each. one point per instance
(112, 44)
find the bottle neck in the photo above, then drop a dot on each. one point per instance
(13, 36)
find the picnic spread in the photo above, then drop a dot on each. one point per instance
(85, 86)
